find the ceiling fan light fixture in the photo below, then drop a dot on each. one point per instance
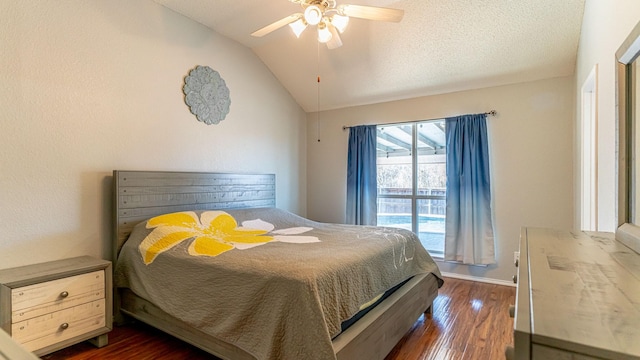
(298, 26)
(324, 34)
(330, 18)
(340, 22)
(313, 15)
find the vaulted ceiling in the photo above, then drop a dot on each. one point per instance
(440, 46)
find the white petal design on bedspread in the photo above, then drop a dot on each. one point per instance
(292, 231)
(258, 224)
(296, 239)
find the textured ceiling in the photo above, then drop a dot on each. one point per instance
(440, 46)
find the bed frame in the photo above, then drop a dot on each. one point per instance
(139, 195)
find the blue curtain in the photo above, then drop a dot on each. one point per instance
(468, 228)
(362, 182)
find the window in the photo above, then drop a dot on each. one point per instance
(411, 167)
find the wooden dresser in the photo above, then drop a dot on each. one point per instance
(578, 297)
(48, 306)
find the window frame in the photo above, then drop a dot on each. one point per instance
(415, 197)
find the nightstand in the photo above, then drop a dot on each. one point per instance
(49, 306)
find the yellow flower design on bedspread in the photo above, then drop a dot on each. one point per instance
(214, 233)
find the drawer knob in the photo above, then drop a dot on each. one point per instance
(64, 326)
(512, 311)
(515, 279)
(64, 294)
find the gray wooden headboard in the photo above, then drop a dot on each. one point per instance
(139, 195)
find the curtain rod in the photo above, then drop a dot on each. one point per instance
(492, 113)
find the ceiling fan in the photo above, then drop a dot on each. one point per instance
(330, 19)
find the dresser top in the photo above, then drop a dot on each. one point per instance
(585, 293)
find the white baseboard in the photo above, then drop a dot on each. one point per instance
(479, 279)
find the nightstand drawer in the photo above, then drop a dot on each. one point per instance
(25, 314)
(52, 328)
(62, 292)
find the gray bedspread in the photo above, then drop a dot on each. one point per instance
(281, 298)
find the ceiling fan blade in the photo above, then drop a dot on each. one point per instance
(371, 12)
(276, 25)
(335, 41)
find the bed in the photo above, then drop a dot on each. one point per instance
(227, 297)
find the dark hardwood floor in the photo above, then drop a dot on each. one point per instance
(470, 321)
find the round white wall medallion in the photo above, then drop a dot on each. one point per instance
(207, 95)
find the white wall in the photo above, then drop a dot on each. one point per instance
(531, 146)
(605, 26)
(93, 86)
